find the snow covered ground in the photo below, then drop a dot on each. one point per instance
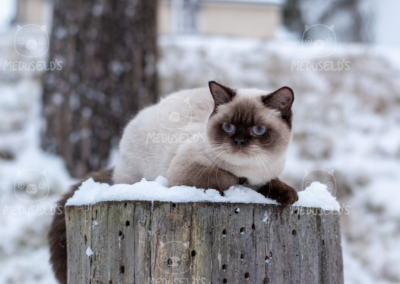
(347, 121)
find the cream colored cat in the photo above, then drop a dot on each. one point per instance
(209, 138)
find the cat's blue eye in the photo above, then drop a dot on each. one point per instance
(259, 129)
(229, 128)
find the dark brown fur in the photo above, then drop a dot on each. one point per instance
(282, 101)
(57, 235)
(221, 94)
(279, 191)
(245, 117)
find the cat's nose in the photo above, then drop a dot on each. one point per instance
(239, 141)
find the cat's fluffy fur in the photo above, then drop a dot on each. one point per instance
(259, 160)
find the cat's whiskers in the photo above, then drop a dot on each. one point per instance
(269, 184)
(272, 165)
(216, 174)
(211, 161)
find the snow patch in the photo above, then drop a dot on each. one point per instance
(94, 223)
(91, 192)
(89, 252)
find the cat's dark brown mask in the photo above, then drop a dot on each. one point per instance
(250, 122)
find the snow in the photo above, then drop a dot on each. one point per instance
(89, 252)
(266, 215)
(317, 195)
(91, 192)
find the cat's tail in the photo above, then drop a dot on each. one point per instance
(57, 235)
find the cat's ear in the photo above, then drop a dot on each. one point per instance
(220, 94)
(306, 28)
(280, 100)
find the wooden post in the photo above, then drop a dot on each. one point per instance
(160, 242)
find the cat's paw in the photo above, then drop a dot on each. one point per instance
(288, 197)
(279, 191)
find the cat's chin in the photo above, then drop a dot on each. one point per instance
(240, 157)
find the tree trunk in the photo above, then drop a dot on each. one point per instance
(108, 54)
(161, 242)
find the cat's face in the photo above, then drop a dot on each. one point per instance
(250, 125)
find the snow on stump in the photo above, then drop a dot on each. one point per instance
(202, 242)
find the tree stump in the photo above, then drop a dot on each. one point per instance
(202, 242)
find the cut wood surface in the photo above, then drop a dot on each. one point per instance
(161, 242)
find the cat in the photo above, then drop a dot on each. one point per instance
(244, 133)
(208, 138)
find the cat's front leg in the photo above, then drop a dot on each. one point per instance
(279, 191)
(202, 176)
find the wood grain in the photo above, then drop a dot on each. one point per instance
(161, 242)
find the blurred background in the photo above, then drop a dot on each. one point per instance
(74, 72)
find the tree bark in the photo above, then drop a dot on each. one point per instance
(161, 242)
(108, 53)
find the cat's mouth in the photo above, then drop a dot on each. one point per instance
(240, 150)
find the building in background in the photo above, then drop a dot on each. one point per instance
(36, 12)
(243, 18)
